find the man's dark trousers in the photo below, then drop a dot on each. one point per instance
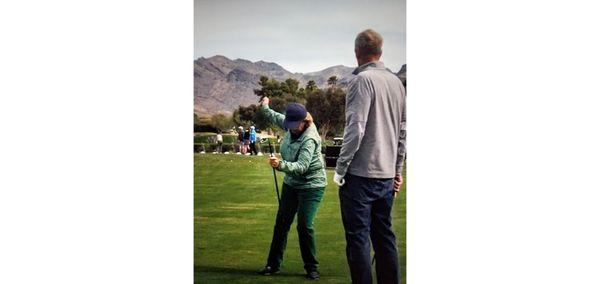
(305, 202)
(366, 205)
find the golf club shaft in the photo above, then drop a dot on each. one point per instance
(275, 174)
(276, 186)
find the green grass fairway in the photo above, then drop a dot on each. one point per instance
(234, 214)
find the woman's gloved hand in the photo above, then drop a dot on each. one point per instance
(274, 162)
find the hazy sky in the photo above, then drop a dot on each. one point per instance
(302, 36)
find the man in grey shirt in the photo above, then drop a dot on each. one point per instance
(369, 168)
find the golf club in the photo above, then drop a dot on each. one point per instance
(274, 174)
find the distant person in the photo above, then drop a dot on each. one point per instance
(253, 141)
(369, 168)
(247, 141)
(219, 142)
(240, 140)
(303, 185)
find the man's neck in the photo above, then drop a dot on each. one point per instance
(363, 61)
(363, 67)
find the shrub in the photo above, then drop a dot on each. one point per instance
(232, 147)
(210, 137)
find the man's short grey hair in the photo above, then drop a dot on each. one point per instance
(368, 42)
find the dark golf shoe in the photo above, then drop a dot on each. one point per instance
(313, 275)
(267, 270)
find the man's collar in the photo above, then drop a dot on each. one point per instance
(372, 64)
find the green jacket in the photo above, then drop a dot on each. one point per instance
(302, 162)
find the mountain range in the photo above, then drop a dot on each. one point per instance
(222, 84)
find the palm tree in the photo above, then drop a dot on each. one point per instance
(332, 81)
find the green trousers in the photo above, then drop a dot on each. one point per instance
(304, 202)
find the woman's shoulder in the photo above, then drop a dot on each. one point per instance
(312, 133)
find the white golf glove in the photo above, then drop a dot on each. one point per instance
(338, 179)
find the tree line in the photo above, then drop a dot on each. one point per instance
(325, 105)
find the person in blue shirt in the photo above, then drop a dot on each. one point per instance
(253, 141)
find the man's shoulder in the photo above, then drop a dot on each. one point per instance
(377, 73)
(366, 74)
(363, 77)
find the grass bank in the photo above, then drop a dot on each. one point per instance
(234, 213)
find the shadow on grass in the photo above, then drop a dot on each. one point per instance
(238, 271)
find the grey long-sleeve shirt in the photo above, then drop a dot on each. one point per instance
(374, 137)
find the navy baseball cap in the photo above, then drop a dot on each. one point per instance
(294, 114)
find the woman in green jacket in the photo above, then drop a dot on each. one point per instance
(303, 185)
